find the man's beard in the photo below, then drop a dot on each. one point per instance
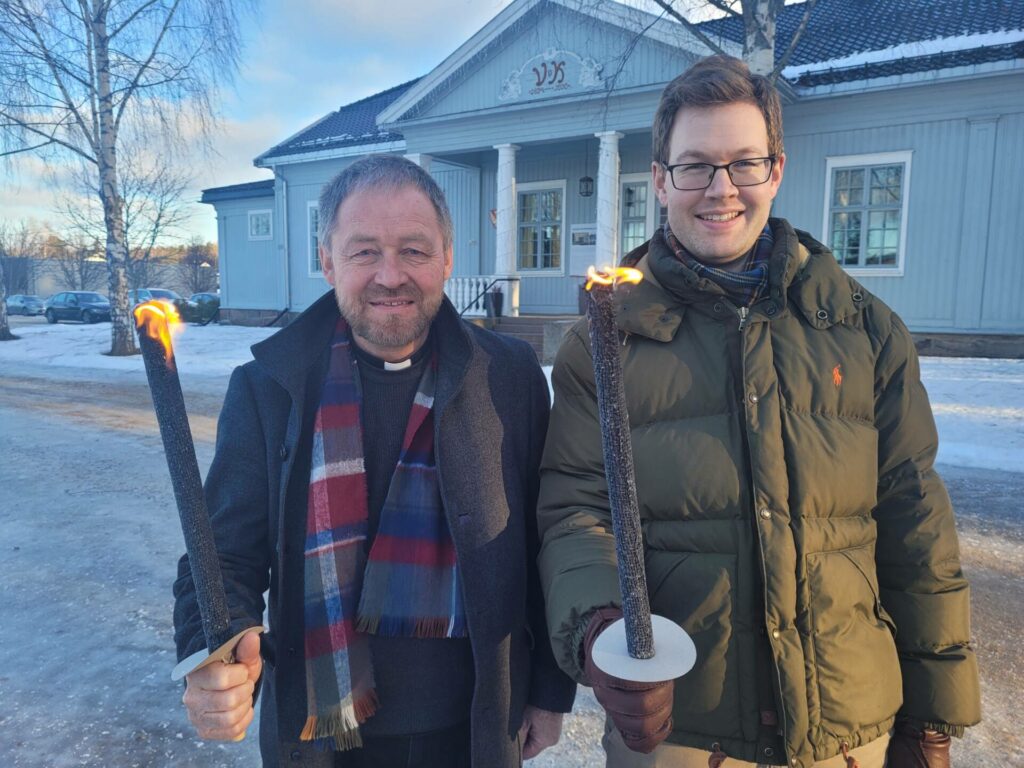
(395, 331)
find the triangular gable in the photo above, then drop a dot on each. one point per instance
(555, 62)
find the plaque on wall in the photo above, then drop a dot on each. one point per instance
(582, 248)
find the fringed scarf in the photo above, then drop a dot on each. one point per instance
(409, 583)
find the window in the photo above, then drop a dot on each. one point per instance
(313, 221)
(637, 205)
(260, 227)
(866, 211)
(541, 212)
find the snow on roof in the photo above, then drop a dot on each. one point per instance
(852, 35)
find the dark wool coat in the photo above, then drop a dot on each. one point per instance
(491, 412)
(793, 522)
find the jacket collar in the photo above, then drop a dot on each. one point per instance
(654, 308)
(289, 354)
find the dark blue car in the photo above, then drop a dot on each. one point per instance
(84, 306)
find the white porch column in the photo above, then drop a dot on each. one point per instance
(505, 252)
(423, 161)
(607, 252)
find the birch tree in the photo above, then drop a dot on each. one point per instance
(16, 242)
(759, 20)
(154, 205)
(79, 77)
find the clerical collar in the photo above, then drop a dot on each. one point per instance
(365, 357)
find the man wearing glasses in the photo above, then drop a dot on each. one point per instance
(793, 521)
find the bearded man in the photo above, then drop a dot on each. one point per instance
(376, 470)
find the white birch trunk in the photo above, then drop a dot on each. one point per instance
(122, 338)
(759, 42)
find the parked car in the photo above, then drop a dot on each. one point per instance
(188, 310)
(139, 296)
(85, 306)
(21, 304)
(207, 303)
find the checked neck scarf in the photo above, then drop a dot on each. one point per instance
(745, 286)
(408, 585)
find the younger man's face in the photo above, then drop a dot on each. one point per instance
(721, 223)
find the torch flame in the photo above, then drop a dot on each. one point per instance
(159, 320)
(612, 276)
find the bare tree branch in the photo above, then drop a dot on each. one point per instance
(80, 77)
(783, 60)
(724, 7)
(689, 26)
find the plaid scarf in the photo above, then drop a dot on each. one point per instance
(408, 585)
(744, 286)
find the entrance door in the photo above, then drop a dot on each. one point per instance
(637, 207)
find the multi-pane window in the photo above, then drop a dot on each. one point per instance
(866, 210)
(540, 228)
(313, 239)
(634, 215)
(260, 227)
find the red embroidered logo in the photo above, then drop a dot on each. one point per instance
(837, 375)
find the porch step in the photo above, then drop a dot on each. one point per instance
(542, 332)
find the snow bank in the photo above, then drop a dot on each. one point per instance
(978, 404)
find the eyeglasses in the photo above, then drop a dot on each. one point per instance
(748, 172)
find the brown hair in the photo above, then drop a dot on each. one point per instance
(714, 81)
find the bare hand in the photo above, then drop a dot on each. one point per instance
(540, 729)
(219, 697)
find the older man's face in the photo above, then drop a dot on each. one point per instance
(387, 263)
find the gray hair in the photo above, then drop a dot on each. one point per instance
(386, 172)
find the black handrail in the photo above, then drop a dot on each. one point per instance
(487, 287)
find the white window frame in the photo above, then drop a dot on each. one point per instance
(312, 252)
(269, 213)
(537, 186)
(653, 203)
(860, 161)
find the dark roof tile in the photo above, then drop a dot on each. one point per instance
(840, 28)
(352, 125)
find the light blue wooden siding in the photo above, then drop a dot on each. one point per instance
(461, 187)
(962, 267)
(304, 182)
(250, 271)
(555, 28)
(526, 124)
(1002, 303)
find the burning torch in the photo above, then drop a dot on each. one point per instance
(154, 321)
(639, 646)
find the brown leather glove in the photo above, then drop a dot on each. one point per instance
(642, 712)
(912, 747)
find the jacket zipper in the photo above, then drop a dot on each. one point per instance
(743, 312)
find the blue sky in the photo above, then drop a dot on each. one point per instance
(302, 59)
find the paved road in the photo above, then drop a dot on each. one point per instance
(88, 543)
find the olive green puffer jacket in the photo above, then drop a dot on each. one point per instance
(793, 522)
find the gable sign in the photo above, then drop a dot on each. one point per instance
(553, 72)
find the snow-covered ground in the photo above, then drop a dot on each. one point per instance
(978, 403)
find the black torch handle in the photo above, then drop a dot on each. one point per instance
(618, 463)
(169, 404)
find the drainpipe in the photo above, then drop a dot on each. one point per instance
(287, 256)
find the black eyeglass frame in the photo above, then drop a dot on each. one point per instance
(715, 168)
